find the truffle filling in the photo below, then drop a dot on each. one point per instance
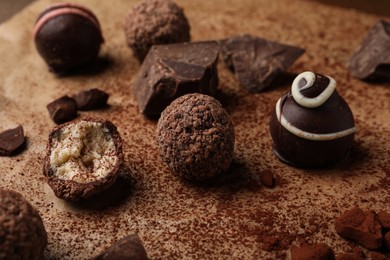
(83, 152)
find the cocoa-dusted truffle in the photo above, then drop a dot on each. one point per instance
(153, 22)
(67, 36)
(22, 234)
(312, 125)
(196, 137)
(129, 247)
(83, 158)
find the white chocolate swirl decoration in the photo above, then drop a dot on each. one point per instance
(317, 101)
(310, 79)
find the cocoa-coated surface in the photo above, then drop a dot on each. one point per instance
(234, 216)
(22, 233)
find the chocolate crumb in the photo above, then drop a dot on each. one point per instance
(11, 140)
(129, 248)
(267, 179)
(91, 99)
(360, 227)
(310, 252)
(63, 109)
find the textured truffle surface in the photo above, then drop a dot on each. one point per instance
(129, 247)
(196, 137)
(83, 158)
(22, 234)
(154, 22)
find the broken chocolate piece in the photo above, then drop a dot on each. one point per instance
(63, 109)
(309, 252)
(83, 158)
(91, 99)
(11, 140)
(384, 219)
(172, 70)
(371, 61)
(360, 227)
(257, 61)
(129, 248)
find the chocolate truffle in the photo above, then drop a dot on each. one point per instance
(153, 22)
(83, 158)
(372, 58)
(129, 248)
(312, 125)
(256, 61)
(67, 36)
(172, 70)
(195, 137)
(22, 234)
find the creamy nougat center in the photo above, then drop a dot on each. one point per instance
(83, 152)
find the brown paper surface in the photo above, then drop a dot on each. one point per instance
(234, 216)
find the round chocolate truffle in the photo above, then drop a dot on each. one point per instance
(83, 158)
(67, 36)
(312, 125)
(195, 137)
(22, 234)
(154, 22)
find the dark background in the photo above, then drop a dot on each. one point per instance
(379, 7)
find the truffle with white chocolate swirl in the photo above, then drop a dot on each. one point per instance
(312, 125)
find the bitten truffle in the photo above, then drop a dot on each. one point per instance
(153, 22)
(129, 248)
(195, 137)
(22, 234)
(83, 158)
(67, 36)
(312, 126)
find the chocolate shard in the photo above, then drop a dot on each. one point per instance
(63, 109)
(11, 140)
(308, 252)
(361, 227)
(257, 61)
(91, 99)
(371, 61)
(129, 248)
(172, 70)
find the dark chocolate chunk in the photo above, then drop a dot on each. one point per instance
(257, 61)
(169, 25)
(22, 234)
(129, 248)
(195, 137)
(91, 99)
(11, 140)
(93, 149)
(62, 110)
(170, 71)
(361, 227)
(310, 252)
(312, 125)
(67, 36)
(371, 60)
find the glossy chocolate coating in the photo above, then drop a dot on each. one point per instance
(68, 37)
(316, 136)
